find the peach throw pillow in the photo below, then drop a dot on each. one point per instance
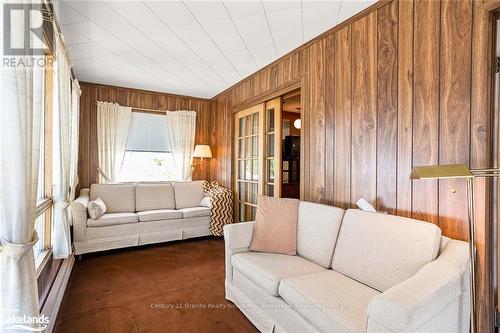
(275, 228)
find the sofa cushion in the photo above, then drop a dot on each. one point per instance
(188, 194)
(113, 219)
(119, 198)
(154, 196)
(329, 300)
(195, 212)
(383, 250)
(159, 214)
(266, 270)
(317, 231)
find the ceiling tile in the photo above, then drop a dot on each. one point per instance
(87, 50)
(319, 16)
(66, 14)
(86, 29)
(350, 8)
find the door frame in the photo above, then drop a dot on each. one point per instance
(253, 102)
(276, 104)
(259, 108)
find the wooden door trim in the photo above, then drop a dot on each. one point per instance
(276, 105)
(269, 95)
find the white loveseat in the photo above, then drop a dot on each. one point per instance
(137, 214)
(354, 272)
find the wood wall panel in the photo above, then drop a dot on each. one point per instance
(305, 164)
(404, 191)
(387, 107)
(314, 122)
(398, 88)
(480, 146)
(342, 119)
(91, 93)
(221, 140)
(364, 109)
(454, 126)
(329, 118)
(426, 105)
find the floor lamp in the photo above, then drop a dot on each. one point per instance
(458, 171)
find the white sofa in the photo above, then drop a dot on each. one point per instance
(137, 214)
(354, 272)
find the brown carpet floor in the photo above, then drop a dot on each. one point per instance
(172, 287)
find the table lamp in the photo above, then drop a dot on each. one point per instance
(201, 152)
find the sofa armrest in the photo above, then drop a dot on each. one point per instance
(423, 298)
(78, 209)
(237, 238)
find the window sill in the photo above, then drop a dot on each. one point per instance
(42, 206)
(41, 260)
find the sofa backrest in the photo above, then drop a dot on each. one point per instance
(119, 198)
(317, 231)
(152, 196)
(383, 250)
(188, 194)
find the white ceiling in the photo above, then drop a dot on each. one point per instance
(196, 48)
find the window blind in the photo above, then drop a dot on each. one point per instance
(148, 133)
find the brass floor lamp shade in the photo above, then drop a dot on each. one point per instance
(453, 172)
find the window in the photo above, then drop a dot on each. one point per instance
(39, 246)
(148, 156)
(40, 192)
(44, 202)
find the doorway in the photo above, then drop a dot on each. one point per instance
(291, 129)
(266, 153)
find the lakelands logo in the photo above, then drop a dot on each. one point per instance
(24, 323)
(23, 24)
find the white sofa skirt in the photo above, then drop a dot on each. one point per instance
(140, 233)
(268, 313)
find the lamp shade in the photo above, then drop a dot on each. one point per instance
(441, 171)
(202, 151)
(297, 123)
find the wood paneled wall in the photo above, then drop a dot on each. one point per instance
(91, 93)
(403, 84)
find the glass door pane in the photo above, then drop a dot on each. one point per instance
(272, 158)
(248, 154)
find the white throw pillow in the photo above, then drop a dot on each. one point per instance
(96, 208)
(206, 202)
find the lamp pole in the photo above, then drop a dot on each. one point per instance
(472, 252)
(491, 172)
(457, 171)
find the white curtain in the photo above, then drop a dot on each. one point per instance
(181, 129)
(75, 125)
(113, 123)
(21, 107)
(65, 137)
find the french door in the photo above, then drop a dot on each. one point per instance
(257, 156)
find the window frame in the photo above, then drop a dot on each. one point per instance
(44, 206)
